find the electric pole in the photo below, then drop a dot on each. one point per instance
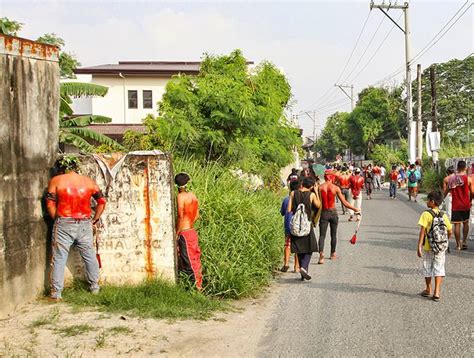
(419, 123)
(434, 110)
(351, 97)
(406, 31)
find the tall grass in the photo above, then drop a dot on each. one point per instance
(240, 233)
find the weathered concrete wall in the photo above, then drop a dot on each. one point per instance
(137, 241)
(29, 100)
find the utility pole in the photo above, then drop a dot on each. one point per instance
(434, 110)
(351, 97)
(313, 119)
(406, 31)
(419, 123)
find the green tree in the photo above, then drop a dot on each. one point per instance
(9, 27)
(72, 130)
(225, 113)
(67, 61)
(333, 139)
(375, 119)
(455, 96)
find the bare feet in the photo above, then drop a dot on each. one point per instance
(321, 259)
(333, 256)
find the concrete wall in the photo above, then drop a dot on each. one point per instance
(138, 238)
(29, 100)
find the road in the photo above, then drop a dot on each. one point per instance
(367, 303)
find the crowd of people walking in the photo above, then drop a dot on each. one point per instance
(345, 184)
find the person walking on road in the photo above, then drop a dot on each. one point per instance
(305, 245)
(342, 181)
(448, 200)
(461, 187)
(329, 192)
(383, 172)
(369, 181)
(294, 185)
(435, 230)
(68, 201)
(356, 184)
(413, 176)
(377, 180)
(393, 177)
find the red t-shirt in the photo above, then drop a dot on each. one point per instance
(393, 175)
(461, 195)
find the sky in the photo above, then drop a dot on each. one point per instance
(315, 43)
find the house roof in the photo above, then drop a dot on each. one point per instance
(143, 68)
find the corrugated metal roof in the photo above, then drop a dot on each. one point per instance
(144, 67)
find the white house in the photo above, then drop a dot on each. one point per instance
(135, 87)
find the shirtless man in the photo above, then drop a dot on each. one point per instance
(356, 183)
(343, 183)
(189, 253)
(329, 192)
(69, 203)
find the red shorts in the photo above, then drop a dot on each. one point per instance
(189, 258)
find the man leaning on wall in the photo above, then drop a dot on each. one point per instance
(69, 203)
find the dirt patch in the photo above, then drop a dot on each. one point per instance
(44, 329)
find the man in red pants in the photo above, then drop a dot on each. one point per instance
(189, 253)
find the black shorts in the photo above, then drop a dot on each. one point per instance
(460, 216)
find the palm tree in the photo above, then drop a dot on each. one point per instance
(72, 130)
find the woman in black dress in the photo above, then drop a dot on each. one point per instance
(304, 246)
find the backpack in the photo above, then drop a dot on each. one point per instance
(412, 177)
(300, 224)
(438, 234)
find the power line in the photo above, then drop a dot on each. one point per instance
(365, 51)
(375, 53)
(429, 46)
(430, 43)
(320, 99)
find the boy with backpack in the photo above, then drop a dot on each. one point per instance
(294, 185)
(435, 231)
(413, 176)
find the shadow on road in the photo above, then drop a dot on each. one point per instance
(398, 272)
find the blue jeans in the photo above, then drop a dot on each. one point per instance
(393, 189)
(66, 232)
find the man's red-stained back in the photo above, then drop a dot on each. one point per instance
(69, 196)
(343, 180)
(328, 195)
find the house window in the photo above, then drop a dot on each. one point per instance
(147, 99)
(132, 99)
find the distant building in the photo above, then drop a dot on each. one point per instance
(135, 88)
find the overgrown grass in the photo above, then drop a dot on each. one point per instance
(240, 233)
(154, 299)
(241, 239)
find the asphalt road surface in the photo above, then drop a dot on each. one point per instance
(367, 302)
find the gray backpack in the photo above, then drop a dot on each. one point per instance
(300, 224)
(438, 234)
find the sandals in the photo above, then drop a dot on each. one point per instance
(284, 268)
(321, 259)
(424, 294)
(436, 298)
(464, 247)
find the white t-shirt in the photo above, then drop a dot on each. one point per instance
(382, 170)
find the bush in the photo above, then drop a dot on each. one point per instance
(240, 233)
(432, 180)
(388, 156)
